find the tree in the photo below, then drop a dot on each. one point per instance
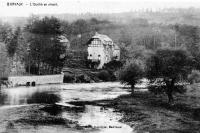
(5, 32)
(80, 26)
(169, 65)
(113, 65)
(4, 63)
(189, 36)
(125, 38)
(45, 46)
(131, 74)
(12, 44)
(80, 29)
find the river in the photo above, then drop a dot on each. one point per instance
(100, 120)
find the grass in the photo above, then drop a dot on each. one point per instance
(147, 112)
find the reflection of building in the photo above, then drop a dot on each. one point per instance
(101, 49)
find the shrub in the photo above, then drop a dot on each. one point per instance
(43, 97)
(161, 89)
(113, 65)
(68, 78)
(104, 75)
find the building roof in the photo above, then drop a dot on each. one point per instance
(103, 38)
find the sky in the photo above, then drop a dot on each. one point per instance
(92, 6)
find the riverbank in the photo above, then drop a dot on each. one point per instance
(145, 112)
(37, 110)
(37, 118)
(78, 75)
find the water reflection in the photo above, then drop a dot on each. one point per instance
(43, 97)
(2, 98)
(104, 119)
(89, 116)
(28, 95)
(66, 92)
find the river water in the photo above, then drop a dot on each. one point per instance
(106, 120)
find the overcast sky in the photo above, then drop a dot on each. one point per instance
(93, 6)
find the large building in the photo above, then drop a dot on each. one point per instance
(101, 50)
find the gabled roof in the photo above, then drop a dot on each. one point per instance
(103, 38)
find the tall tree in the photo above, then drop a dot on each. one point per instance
(169, 65)
(4, 65)
(189, 36)
(45, 45)
(12, 44)
(5, 32)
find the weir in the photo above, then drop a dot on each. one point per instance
(35, 80)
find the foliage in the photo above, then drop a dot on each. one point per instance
(113, 65)
(171, 65)
(45, 46)
(80, 26)
(43, 97)
(5, 32)
(194, 77)
(4, 62)
(45, 26)
(189, 37)
(68, 78)
(131, 74)
(13, 42)
(104, 75)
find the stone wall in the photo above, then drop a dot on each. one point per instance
(38, 80)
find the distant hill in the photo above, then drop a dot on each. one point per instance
(166, 16)
(15, 21)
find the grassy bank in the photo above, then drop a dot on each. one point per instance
(147, 112)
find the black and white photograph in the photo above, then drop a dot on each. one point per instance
(99, 66)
